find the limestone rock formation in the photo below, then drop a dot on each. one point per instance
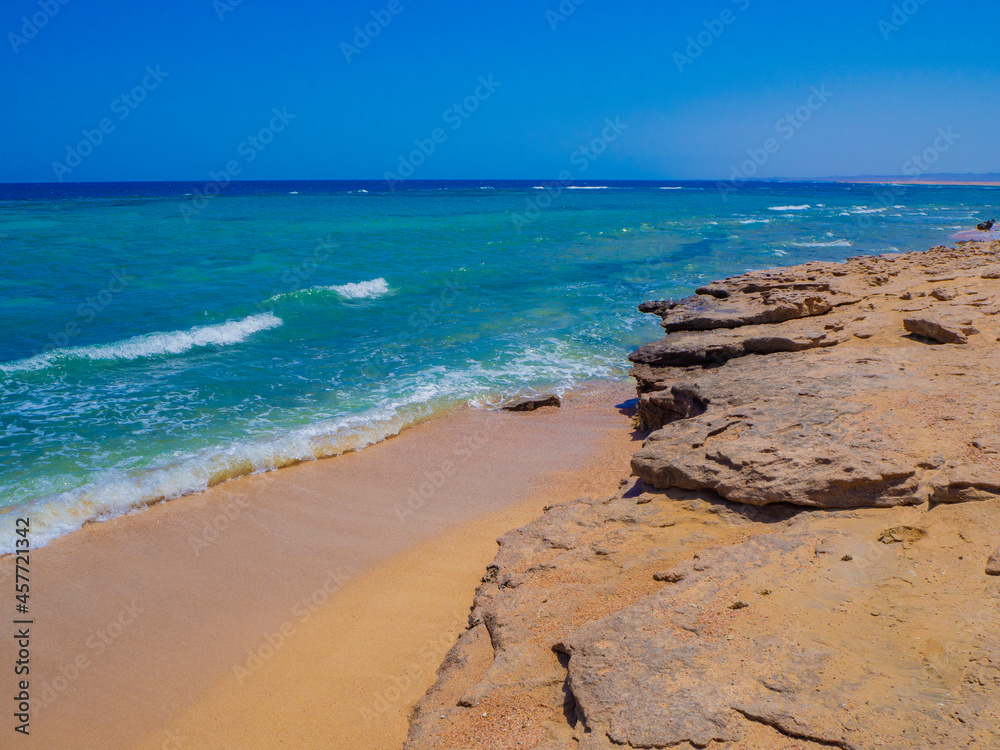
(799, 564)
(674, 619)
(942, 330)
(827, 419)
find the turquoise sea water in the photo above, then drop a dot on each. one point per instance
(151, 345)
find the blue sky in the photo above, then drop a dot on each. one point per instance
(561, 71)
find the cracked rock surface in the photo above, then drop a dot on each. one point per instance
(875, 402)
(800, 563)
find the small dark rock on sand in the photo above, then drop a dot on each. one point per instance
(530, 403)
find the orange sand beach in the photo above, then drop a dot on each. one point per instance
(308, 607)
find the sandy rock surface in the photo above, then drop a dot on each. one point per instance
(807, 557)
(878, 401)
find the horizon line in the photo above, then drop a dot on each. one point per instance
(965, 177)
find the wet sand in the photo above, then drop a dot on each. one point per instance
(309, 607)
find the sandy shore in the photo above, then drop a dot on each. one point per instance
(305, 608)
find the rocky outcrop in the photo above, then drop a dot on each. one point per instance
(708, 604)
(717, 347)
(675, 619)
(848, 412)
(942, 330)
(746, 301)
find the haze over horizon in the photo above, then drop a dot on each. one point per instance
(710, 90)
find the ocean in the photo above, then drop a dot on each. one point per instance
(159, 338)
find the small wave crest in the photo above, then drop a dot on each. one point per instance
(834, 243)
(353, 291)
(755, 221)
(362, 289)
(790, 208)
(153, 344)
(115, 492)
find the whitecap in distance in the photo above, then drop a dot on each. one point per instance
(153, 344)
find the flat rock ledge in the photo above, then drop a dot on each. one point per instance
(798, 564)
(869, 391)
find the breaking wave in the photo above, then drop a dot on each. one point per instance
(152, 344)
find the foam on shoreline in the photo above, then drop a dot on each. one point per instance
(214, 576)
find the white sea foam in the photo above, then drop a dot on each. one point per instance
(353, 291)
(834, 243)
(790, 208)
(671, 188)
(362, 289)
(866, 210)
(116, 492)
(755, 221)
(153, 344)
(587, 187)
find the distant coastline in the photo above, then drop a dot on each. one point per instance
(990, 179)
(900, 181)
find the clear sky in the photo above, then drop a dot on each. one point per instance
(686, 107)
